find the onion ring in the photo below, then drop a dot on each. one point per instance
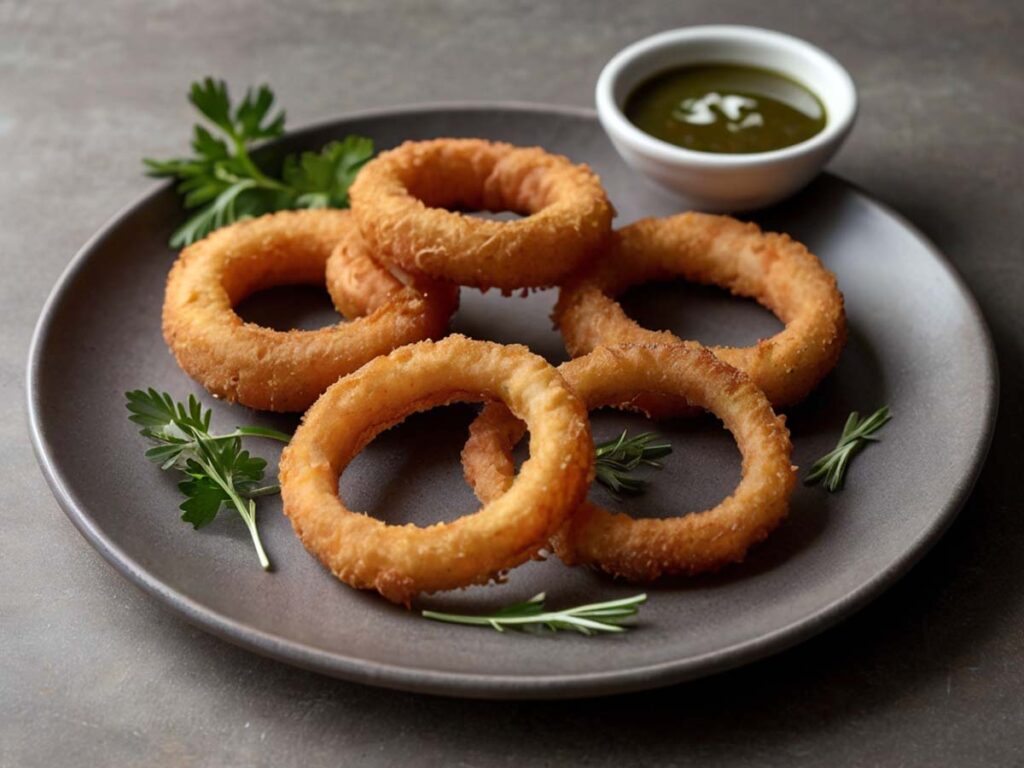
(643, 550)
(400, 197)
(358, 285)
(401, 561)
(777, 272)
(265, 368)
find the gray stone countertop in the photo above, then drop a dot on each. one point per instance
(92, 672)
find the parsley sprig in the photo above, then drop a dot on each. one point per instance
(831, 468)
(222, 183)
(218, 472)
(618, 458)
(588, 620)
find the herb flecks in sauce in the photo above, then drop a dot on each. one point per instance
(725, 108)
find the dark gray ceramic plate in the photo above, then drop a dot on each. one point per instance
(917, 343)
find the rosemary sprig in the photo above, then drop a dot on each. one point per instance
(856, 434)
(616, 459)
(218, 472)
(591, 619)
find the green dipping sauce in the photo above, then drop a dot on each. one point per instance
(725, 108)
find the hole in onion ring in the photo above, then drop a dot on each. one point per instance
(692, 477)
(412, 473)
(704, 313)
(702, 470)
(493, 215)
(289, 307)
(514, 319)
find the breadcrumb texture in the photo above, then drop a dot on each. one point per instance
(359, 284)
(645, 549)
(400, 561)
(401, 196)
(774, 270)
(275, 370)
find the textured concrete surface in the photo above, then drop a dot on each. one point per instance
(94, 673)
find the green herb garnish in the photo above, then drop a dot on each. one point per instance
(856, 434)
(223, 182)
(218, 472)
(616, 459)
(586, 619)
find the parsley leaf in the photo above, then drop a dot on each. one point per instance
(203, 500)
(219, 473)
(322, 179)
(222, 184)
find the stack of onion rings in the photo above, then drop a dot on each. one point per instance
(280, 370)
(403, 561)
(779, 273)
(400, 199)
(644, 550)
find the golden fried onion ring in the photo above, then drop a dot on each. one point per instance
(400, 197)
(265, 368)
(359, 285)
(777, 272)
(400, 561)
(645, 549)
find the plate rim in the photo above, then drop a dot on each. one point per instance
(485, 685)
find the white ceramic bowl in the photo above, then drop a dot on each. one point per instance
(722, 182)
